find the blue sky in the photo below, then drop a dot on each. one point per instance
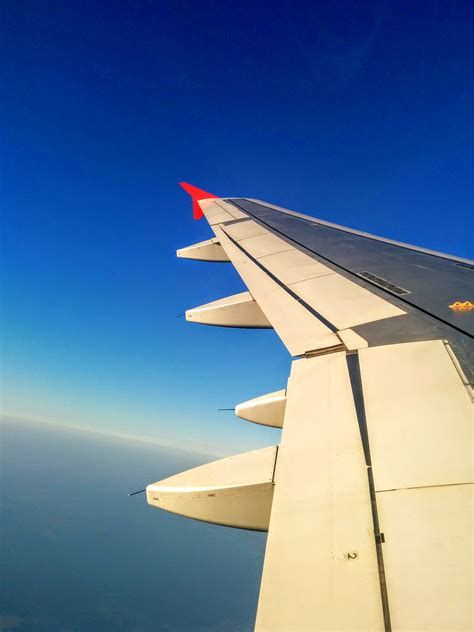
(356, 112)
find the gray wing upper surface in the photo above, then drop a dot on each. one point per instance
(422, 283)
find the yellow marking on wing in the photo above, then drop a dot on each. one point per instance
(460, 306)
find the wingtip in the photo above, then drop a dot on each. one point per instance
(196, 192)
(196, 195)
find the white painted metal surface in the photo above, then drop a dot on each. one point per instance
(243, 230)
(208, 250)
(299, 330)
(236, 491)
(227, 207)
(342, 302)
(428, 557)
(267, 410)
(215, 213)
(233, 210)
(352, 340)
(263, 245)
(320, 570)
(420, 425)
(293, 265)
(238, 310)
(419, 416)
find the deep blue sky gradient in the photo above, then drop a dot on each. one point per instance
(357, 112)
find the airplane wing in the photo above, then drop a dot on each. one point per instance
(368, 499)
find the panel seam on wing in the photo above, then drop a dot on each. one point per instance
(297, 298)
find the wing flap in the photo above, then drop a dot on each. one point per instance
(419, 416)
(420, 427)
(428, 555)
(320, 570)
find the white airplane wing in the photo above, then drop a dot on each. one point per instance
(368, 499)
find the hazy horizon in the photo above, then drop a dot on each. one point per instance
(79, 555)
(189, 448)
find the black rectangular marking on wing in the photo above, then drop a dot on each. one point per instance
(391, 287)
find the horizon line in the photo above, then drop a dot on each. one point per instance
(10, 417)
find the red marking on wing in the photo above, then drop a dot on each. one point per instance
(196, 194)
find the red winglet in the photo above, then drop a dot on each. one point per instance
(196, 194)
